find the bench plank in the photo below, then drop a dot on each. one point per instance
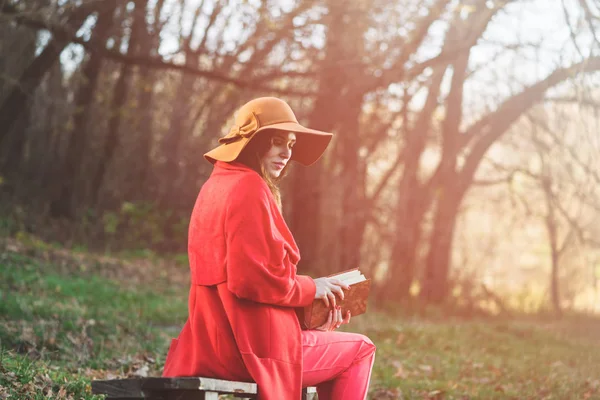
(124, 388)
(137, 388)
(178, 395)
(194, 383)
(183, 388)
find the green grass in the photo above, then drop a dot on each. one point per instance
(485, 359)
(55, 321)
(62, 325)
(22, 378)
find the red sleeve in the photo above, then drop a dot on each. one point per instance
(258, 263)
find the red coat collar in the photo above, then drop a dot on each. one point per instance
(232, 166)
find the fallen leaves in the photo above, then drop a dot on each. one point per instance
(81, 344)
(139, 365)
(593, 384)
(10, 376)
(435, 395)
(137, 272)
(592, 389)
(387, 394)
(400, 339)
(142, 371)
(428, 361)
(427, 369)
(403, 373)
(13, 387)
(400, 371)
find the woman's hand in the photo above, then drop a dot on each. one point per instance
(327, 288)
(335, 320)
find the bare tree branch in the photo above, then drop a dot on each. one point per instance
(493, 125)
(158, 63)
(572, 153)
(571, 30)
(582, 101)
(397, 72)
(589, 16)
(494, 182)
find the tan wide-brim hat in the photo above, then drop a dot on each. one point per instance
(263, 114)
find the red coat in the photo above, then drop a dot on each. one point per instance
(241, 323)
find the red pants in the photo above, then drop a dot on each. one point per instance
(338, 363)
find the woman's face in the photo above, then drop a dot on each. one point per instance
(279, 153)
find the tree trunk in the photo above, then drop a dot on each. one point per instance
(13, 147)
(305, 199)
(415, 197)
(11, 65)
(435, 285)
(403, 258)
(15, 103)
(353, 179)
(554, 280)
(172, 142)
(43, 148)
(306, 187)
(413, 202)
(148, 44)
(119, 98)
(112, 140)
(353, 218)
(64, 204)
(555, 251)
(144, 129)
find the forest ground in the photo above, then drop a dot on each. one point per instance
(68, 317)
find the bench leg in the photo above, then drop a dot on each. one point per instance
(211, 396)
(308, 396)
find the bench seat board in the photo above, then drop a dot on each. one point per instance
(178, 395)
(188, 387)
(137, 388)
(193, 383)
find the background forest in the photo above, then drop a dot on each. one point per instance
(465, 166)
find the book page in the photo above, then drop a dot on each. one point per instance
(354, 279)
(346, 275)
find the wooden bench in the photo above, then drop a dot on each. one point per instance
(193, 388)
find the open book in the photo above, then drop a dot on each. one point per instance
(355, 300)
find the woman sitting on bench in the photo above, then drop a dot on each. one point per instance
(242, 324)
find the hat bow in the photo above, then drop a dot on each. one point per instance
(238, 132)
